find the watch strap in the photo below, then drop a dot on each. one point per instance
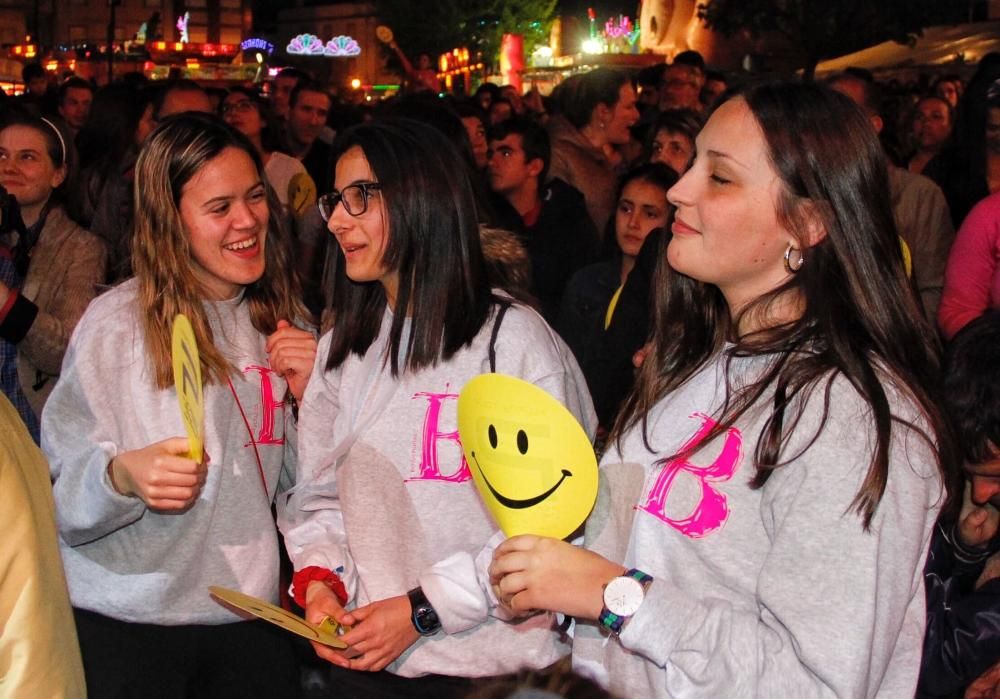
(615, 622)
(425, 619)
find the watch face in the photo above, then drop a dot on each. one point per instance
(427, 619)
(623, 596)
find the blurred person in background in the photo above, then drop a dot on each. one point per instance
(75, 96)
(120, 120)
(932, 123)
(673, 139)
(595, 115)
(309, 107)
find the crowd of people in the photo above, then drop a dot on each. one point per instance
(751, 296)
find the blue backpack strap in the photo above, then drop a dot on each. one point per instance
(504, 305)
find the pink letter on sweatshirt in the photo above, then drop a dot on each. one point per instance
(429, 467)
(712, 511)
(268, 406)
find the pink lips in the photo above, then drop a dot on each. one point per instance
(680, 228)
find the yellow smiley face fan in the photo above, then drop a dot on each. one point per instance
(532, 462)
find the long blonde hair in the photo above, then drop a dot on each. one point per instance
(161, 249)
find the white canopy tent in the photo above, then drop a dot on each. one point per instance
(944, 47)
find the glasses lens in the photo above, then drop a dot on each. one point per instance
(355, 200)
(326, 204)
(241, 106)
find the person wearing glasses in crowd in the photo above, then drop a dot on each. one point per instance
(384, 526)
(772, 482)
(245, 111)
(144, 528)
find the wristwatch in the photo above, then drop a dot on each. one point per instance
(425, 619)
(622, 598)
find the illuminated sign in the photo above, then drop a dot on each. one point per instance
(312, 45)
(182, 25)
(257, 44)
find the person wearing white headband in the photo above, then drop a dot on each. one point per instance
(50, 267)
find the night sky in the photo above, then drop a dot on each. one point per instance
(266, 11)
(603, 8)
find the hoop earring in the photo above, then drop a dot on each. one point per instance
(793, 269)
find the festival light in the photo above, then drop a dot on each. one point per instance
(311, 45)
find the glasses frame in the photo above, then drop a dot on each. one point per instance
(328, 202)
(241, 106)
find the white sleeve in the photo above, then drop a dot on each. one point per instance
(309, 514)
(835, 603)
(458, 587)
(80, 437)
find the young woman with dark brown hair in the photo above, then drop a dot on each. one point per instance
(776, 473)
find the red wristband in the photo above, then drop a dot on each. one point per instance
(302, 578)
(8, 304)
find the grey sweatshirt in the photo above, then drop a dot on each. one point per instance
(774, 592)
(122, 559)
(385, 498)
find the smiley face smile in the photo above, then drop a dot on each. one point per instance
(519, 504)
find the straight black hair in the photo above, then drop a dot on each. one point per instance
(432, 225)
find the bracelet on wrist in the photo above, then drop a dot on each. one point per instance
(302, 578)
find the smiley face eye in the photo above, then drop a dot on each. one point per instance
(492, 432)
(522, 442)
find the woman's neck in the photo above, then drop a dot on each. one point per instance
(628, 264)
(595, 135)
(30, 214)
(750, 317)
(258, 143)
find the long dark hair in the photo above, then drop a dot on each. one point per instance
(656, 174)
(108, 136)
(433, 231)
(860, 319)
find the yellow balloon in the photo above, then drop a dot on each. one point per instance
(301, 192)
(187, 381)
(533, 464)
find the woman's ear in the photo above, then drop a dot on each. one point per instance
(602, 113)
(811, 223)
(59, 176)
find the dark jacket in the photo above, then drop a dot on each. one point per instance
(561, 241)
(584, 309)
(963, 623)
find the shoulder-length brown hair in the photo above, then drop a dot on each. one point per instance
(161, 247)
(860, 319)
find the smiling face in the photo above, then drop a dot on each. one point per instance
(362, 238)
(531, 461)
(726, 227)
(224, 212)
(641, 208)
(27, 170)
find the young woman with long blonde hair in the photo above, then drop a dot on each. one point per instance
(144, 528)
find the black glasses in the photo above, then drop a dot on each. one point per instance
(240, 106)
(354, 197)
